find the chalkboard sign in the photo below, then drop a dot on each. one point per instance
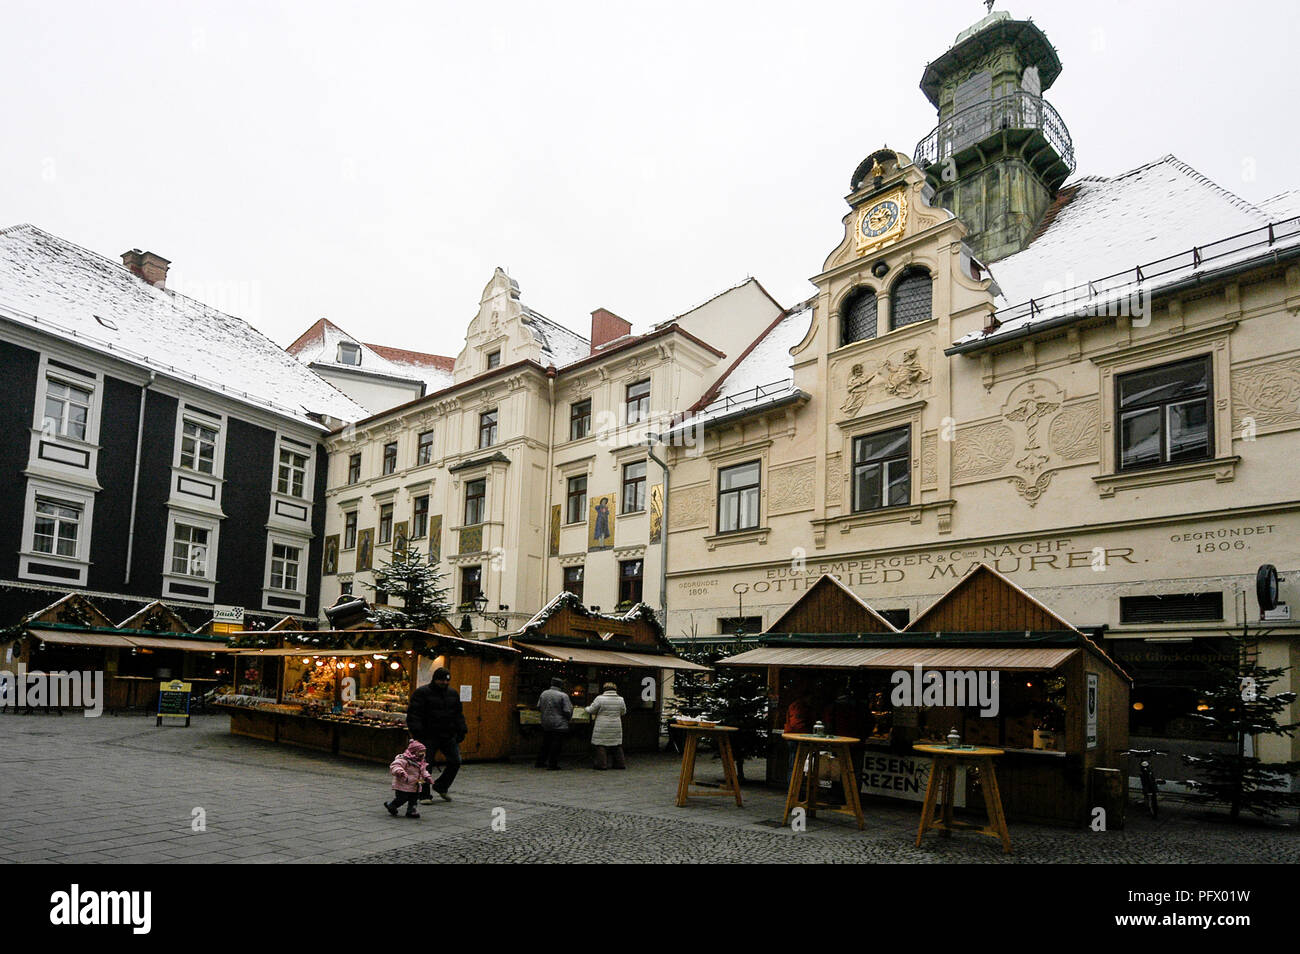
(173, 701)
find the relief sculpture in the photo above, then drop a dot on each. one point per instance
(900, 375)
(1267, 394)
(792, 488)
(1074, 433)
(983, 449)
(1032, 404)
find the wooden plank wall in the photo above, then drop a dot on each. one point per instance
(984, 603)
(827, 609)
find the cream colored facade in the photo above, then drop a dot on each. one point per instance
(530, 373)
(1011, 447)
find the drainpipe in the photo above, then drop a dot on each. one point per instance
(135, 477)
(550, 491)
(663, 520)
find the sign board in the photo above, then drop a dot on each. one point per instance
(1090, 707)
(173, 701)
(904, 776)
(228, 614)
(466, 693)
(493, 695)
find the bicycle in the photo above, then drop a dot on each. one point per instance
(1147, 776)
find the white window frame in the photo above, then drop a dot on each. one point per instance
(64, 421)
(80, 560)
(293, 469)
(217, 423)
(297, 563)
(199, 443)
(64, 449)
(353, 346)
(202, 522)
(190, 544)
(303, 545)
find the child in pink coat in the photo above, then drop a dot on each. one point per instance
(408, 770)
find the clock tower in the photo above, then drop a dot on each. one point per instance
(1000, 151)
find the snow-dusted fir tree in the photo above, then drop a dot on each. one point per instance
(409, 578)
(1241, 704)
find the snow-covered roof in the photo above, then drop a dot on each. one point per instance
(1164, 217)
(318, 346)
(1284, 205)
(560, 346)
(68, 292)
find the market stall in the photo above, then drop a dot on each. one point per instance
(347, 691)
(587, 649)
(986, 660)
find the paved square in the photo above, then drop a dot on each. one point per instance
(117, 789)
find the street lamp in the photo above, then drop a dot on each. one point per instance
(498, 619)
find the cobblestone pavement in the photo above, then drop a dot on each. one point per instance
(117, 789)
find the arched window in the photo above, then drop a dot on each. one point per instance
(911, 300)
(858, 316)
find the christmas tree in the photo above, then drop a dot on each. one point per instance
(409, 578)
(731, 696)
(1241, 704)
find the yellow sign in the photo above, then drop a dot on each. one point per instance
(493, 695)
(175, 686)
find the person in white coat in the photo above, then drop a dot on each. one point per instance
(607, 727)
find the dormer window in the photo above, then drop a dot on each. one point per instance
(350, 353)
(494, 359)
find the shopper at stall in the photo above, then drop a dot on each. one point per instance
(435, 718)
(409, 770)
(607, 709)
(556, 711)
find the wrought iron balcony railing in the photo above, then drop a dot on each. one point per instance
(974, 124)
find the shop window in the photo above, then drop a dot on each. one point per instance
(349, 353)
(385, 523)
(284, 567)
(390, 458)
(349, 530)
(494, 359)
(189, 551)
(475, 499)
(576, 508)
(67, 409)
(1164, 414)
(634, 487)
(910, 301)
(487, 428)
(638, 401)
(881, 470)
(198, 447)
(897, 618)
(573, 580)
(742, 625)
(354, 468)
(424, 449)
(420, 517)
(57, 527)
(738, 492)
(858, 316)
(471, 584)
(579, 420)
(630, 574)
(292, 477)
(1172, 608)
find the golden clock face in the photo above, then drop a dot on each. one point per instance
(881, 222)
(880, 218)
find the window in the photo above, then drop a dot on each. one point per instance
(189, 551)
(424, 450)
(748, 625)
(385, 523)
(349, 530)
(738, 497)
(354, 468)
(573, 577)
(420, 517)
(1164, 414)
(634, 487)
(67, 409)
(577, 501)
(494, 359)
(198, 447)
(629, 581)
(56, 528)
(638, 401)
(345, 588)
(293, 473)
(881, 469)
(897, 618)
(471, 584)
(910, 301)
(390, 458)
(579, 420)
(349, 353)
(487, 428)
(1172, 608)
(858, 316)
(284, 567)
(475, 494)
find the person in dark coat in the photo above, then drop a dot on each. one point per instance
(436, 719)
(556, 710)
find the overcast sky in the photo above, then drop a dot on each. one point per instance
(371, 163)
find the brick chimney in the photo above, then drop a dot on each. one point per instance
(147, 266)
(606, 326)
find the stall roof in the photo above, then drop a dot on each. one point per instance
(317, 651)
(610, 657)
(82, 639)
(1028, 659)
(123, 641)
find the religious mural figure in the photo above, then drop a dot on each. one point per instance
(857, 389)
(601, 525)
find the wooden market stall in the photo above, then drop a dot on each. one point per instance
(347, 691)
(986, 659)
(587, 649)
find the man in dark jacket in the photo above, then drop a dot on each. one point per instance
(556, 711)
(436, 719)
